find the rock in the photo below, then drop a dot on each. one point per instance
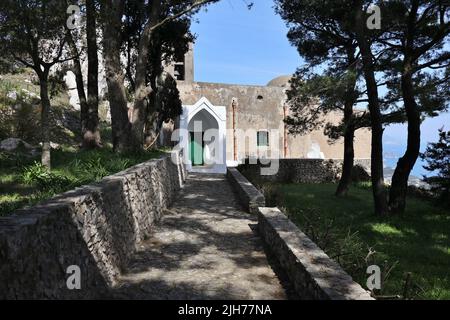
(53, 145)
(12, 144)
(12, 95)
(30, 94)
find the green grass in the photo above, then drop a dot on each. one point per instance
(417, 242)
(24, 182)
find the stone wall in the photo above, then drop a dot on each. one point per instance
(247, 193)
(96, 227)
(303, 170)
(313, 274)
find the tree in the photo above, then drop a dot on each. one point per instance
(130, 136)
(77, 71)
(111, 16)
(415, 34)
(90, 133)
(320, 31)
(34, 34)
(169, 43)
(365, 39)
(90, 122)
(437, 156)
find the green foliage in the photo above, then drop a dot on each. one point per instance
(18, 117)
(437, 156)
(27, 182)
(272, 194)
(15, 159)
(42, 20)
(44, 179)
(329, 80)
(418, 242)
(94, 166)
(366, 185)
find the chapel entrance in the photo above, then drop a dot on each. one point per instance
(203, 137)
(196, 148)
(202, 149)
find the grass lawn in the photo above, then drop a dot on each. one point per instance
(417, 243)
(24, 182)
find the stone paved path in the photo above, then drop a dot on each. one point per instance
(204, 248)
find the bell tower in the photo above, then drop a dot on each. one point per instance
(183, 70)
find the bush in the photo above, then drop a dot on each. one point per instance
(44, 179)
(15, 159)
(95, 165)
(437, 156)
(272, 194)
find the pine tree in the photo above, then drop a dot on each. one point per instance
(437, 156)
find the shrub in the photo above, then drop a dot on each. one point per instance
(44, 179)
(272, 194)
(437, 156)
(95, 168)
(15, 159)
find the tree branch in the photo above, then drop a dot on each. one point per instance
(444, 57)
(181, 13)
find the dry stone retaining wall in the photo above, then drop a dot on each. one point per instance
(313, 274)
(95, 227)
(248, 194)
(304, 170)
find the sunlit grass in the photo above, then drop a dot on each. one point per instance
(25, 183)
(417, 242)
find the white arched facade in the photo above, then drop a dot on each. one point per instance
(203, 130)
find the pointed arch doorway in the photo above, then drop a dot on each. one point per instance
(203, 137)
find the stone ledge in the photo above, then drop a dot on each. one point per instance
(313, 274)
(249, 196)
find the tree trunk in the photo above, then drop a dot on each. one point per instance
(399, 187)
(349, 134)
(91, 132)
(80, 84)
(121, 126)
(378, 188)
(45, 120)
(349, 156)
(143, 90)
(129, 73)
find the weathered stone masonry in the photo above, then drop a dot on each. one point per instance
(249, 196)
(96, 227)
(311, 272)
(306, 170)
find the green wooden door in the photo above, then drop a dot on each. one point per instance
(196, 148)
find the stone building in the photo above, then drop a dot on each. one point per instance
(248, 121)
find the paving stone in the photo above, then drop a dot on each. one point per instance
(204, 248)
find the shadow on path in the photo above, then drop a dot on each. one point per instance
(206, 247)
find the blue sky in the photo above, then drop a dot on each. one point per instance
(241, 46)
